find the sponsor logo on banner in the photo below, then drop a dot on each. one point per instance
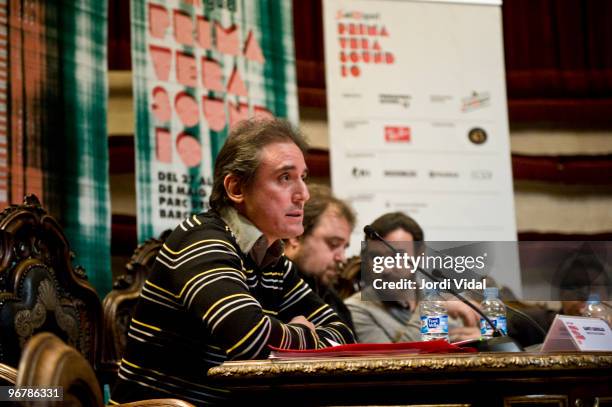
(400, 173)
(475, 101)
(353, 124)
(482, 175)
(443, 174)
(397, 134)
(360, 172)
(352, 95)
(388, 99)
(477, 135)
(448, 125)
(359, 154)
(362, 39)
(440, 98)
(365, 197)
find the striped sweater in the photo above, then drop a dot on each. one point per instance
(206, 302)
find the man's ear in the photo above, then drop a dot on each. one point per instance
(292, 242)
(233, 188)
(292, 246)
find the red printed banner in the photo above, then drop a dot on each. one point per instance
(200, 67)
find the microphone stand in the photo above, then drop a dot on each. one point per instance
(523, 315)
(500, 341)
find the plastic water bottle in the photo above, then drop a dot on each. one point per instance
(106, 394)
(434, 317)
(495, 310)
(595, 309)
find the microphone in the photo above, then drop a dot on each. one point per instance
(500, 342)
(374, 235)
(526, 317)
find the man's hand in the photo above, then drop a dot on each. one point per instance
(464, 333)
(300, 319)
(457, 309)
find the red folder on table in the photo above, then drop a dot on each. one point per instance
(371, 349)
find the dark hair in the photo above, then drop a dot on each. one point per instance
(397, 220)
(241, 153)
(581, 274)
(321, 198)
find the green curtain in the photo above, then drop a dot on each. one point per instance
(54, 106)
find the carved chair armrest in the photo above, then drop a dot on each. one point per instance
(7, 374)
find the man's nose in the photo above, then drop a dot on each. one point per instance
(302, 193)
(340, 255)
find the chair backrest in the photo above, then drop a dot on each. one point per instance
(49, 362)
(348, 281)
(119, 304)
(40, 290)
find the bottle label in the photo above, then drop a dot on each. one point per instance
(499, 322)
(434, 325)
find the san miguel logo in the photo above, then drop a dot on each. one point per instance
(360, 38)
(477, 135)
(360, 172)
(397, 134)
(475, 101)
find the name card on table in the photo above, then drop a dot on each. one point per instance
(578, 334)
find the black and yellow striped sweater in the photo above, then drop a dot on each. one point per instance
(206, 302)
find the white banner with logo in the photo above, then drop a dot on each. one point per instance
(418, 118)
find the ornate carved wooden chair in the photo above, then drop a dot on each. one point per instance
(49, 362)
(40, 290)
(119, 303)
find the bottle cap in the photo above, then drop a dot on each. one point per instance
(491, 292)
(429, 292)
(593, 298)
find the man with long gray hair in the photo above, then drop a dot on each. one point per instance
(221, 288)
